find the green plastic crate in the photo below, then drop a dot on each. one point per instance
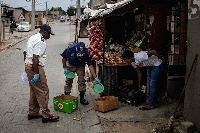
(65, 103)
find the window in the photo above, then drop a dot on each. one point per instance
(178, 40)
(178, 28)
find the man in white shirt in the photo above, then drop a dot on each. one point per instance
(35, 57)
(143, 59)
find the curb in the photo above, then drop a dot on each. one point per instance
(17, 41)
(21, 40)
(91, 123)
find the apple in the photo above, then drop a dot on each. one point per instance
(103, 97)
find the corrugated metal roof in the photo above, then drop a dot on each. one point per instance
(92, 14)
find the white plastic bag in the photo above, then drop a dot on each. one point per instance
(24, 77)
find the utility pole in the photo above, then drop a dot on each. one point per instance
(0, 22)
(78, 9)
(71, 3)
(46, 13)
(53, 13)
(33, 15)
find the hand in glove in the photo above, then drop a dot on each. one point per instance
(35, 78)
(97, 80)
(65, 70)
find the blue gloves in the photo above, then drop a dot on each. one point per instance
(35, 78)
(97, 80)
(65, 70)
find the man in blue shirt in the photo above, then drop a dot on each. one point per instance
(74, 59)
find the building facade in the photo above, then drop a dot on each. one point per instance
(16, 13)
(40, 18)
(192, 92)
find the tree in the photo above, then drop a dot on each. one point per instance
(60, 9)
(71, 11)
(53, 9)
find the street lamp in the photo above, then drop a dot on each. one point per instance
(78, 9)
(46, 12)
(32, 14)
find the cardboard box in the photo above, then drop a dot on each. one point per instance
(109, 103)
(65, 103)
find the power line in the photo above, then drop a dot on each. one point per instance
(39, 3)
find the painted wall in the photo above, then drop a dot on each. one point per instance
(41, 19)
(16, 14)
(192, 93)
(28, 17)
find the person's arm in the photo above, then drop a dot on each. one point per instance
(35, 64)
(92, 71)
(153, 52)
(24, 55)
(64, 62)
(139, 73)
(64, 65)
(89, 63)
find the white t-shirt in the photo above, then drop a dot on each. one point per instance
(142, 60)
(36, 45)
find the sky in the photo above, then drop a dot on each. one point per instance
(40, 4)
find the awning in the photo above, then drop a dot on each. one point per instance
(110, 8)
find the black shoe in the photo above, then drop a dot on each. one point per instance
(50, 119)
(67, 93)
(82, 100)
(30, 117)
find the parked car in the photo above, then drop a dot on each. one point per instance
(24, 26)
(62, 18)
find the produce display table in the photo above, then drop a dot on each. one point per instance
(111, 76)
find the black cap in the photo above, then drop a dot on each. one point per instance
(47, 28)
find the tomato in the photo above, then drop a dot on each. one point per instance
(103, 97)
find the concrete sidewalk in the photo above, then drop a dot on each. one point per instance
(15, 38)
(130, 119)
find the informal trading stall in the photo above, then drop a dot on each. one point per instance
(131, 25)
(109, 37)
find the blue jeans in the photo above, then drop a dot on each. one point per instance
(154, 74)
(11, 29)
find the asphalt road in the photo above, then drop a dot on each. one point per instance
(14, 96)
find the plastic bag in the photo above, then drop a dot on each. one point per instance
(24, 77)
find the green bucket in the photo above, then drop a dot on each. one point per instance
(98, 87)
(70, 75)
